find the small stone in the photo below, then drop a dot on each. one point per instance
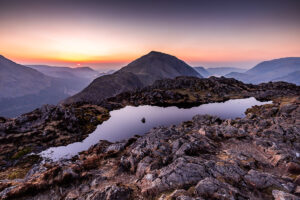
(280, 195)
(201, 131)
(297, 190)
(72, 195)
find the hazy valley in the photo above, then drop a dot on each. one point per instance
(25, 88)
(282, 69)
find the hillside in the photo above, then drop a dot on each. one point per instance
(139, 73)
(206, 157)
(17, 80)
(221, 71)
(73, 79)
(23, 89)
(293, 77)
(270, 70)
(202, 71)
(66, 72)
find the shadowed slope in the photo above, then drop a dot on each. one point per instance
(23, 89)
(139, 73)
(17, 80)
(270, 70)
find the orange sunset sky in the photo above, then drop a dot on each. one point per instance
(109, 35)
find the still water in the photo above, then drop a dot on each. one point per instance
(127, 122)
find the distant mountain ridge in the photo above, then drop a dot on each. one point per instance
(139, 73)
(202, 71)
(61, 72)
(293, 77)
(217, 71)
(17, 80)
(73, 79)
(272, 70)
(23, 89)
(221, 71)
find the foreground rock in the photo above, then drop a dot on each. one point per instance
(190, 91)
(64, 124)
(256, 157)
(44, 127)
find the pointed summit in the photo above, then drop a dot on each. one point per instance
(139, 73)
(156, 65)
(156, 53)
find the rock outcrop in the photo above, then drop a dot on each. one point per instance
(190, 91)
(60, 125)
(256, 157)
(42, 128)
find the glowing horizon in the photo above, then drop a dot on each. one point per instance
(93, 34)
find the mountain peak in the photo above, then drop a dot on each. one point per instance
(160, 65)
(142, 72)
(6, 61)
(2, 57)
(156, 53)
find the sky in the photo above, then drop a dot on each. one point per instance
(110, 34)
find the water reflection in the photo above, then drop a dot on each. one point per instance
(129, 121)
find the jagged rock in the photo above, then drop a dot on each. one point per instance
(183, 171)
(97, 181)
(176, 194)
(261, 180)
(112, 192)
(211, 188)
(116, 147)
(204, 158)
(280, 195)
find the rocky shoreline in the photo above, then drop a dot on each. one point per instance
(256, 157)
(189, 91)
(40, 129)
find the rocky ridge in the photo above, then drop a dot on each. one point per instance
(167, 163)
(190, 91)
(40, 129)
(256, 157)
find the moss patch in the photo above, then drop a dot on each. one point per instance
(21, 153)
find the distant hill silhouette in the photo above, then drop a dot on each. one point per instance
(66, 72)
(221, 71)
(73, 79)
(217, 71)
(273, 70)
(17, 80)
(293, 77)
(202, 71)
(23, 89)
(139, 73)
